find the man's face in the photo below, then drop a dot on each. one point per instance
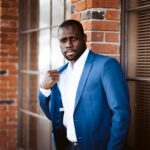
(72, 43)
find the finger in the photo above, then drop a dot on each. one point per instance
(53, 71)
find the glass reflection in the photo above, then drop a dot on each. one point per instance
(57, 12)
(44, 14)
(57, 58)
(44, 50)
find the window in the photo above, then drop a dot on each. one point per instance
(38, 52)
(138, 70)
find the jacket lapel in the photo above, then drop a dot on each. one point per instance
(87, 67)
(61, 69)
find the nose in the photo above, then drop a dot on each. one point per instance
(68, 43)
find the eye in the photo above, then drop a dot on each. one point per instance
(63, 40)
(74, 38)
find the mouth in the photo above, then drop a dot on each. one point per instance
(70, 52)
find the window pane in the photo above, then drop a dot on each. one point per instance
(25, 49)
(68, 9)
(44, 50)
(142, 115)
(137, 3)
(132, 3)
(44, 20)
(44, 135)
(35, 133)
(57, 58)
(33, 93)
(143, 43)
(24, 89)
(138, 44)
(24, 131)
(30, 84)
(132, 44)
(34, 14)
(57, 12)
(25, 16)
(33, 51)
(139, 127)
(132, 130)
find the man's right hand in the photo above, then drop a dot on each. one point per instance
(50, 78)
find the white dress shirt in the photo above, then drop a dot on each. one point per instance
(68, 84)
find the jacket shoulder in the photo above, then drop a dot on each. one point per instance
(102, 59)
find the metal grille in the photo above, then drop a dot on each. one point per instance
(143, 2)
(143, 115)
(143, 44)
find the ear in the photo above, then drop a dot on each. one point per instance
(85, 37)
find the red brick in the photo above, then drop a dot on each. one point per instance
(9, 41)
(84, 24)
(11, 126)
(10, 4)
(13, 72)
(3, 133)
(8, 66)
(112, 37)
(8, 78)
(103, 3)
(3, 145)
(9, 59)
(12, 145)
(8, 90)
(9, 48)
(74, 1)
(76, 16)
(2, 108)
(2, 96)
(104, 48)
(3, 35)
(81, 5)
(8, 24)
(9, 29)
(9, 17)
(13, 83)
(103, 25)
(95, 36)
(12, 96)
(3, 119)
(13, 107)
(112, 15)
(12, 11)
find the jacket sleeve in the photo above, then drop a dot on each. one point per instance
(116, 90)
(44, 103)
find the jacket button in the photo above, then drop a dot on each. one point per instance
(80, 138)
(76, 120)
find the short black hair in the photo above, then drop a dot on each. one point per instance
(72, 22)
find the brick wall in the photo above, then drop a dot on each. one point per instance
(8, 73)
(101, 21)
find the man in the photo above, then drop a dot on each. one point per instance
(87, 98)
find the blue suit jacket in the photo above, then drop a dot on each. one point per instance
(102, 111)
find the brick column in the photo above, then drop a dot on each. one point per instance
(8, 74)
(101, 21)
